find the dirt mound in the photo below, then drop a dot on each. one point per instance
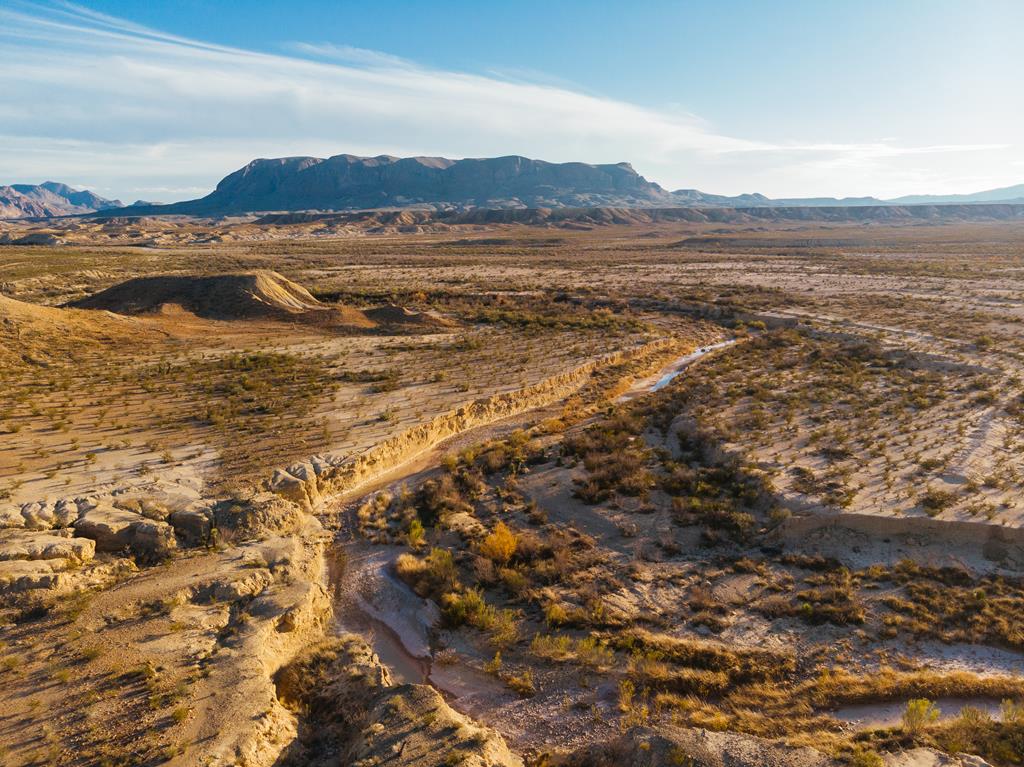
(31, 334)
(260, 294)
(392, 314)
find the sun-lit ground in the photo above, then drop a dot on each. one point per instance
(797, 535)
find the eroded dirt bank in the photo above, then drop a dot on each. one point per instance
(353, 713)
(311, 482)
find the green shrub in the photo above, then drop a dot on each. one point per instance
(919, 713)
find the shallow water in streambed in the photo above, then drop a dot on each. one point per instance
(667, 374)
(682, 363)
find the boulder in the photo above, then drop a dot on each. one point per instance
(153, 539)
(112, 529)
(191, 525)
(39, 515)
(117, 530)
(236, 587)
(294, 488)
(10, 517)
(321, 464)
(262, 515)
(466, 525)
(66, 512)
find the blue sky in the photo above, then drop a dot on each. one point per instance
(161, 99)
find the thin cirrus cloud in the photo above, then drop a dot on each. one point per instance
(124, 109)
(352, 55)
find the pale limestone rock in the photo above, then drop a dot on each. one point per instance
(362, 718)
(38, 515)
(116, 529)
(262, 515)
(25, 575)
(112, 529)
(10, 517)
(59, 545)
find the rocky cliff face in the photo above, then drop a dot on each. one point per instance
(13, 204)
(308, 483)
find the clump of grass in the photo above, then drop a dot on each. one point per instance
(522, 683)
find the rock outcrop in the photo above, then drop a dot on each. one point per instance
(257, 516)
(280, 582)
(58, 544)
(35, 559)
(116, 530)
(51, 545)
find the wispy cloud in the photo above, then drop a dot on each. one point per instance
(352, 55)
(87, 95)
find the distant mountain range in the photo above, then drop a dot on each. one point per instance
(1005, 194)
(346, 182)
(49, 199)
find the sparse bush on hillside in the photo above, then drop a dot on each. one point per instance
(500, 544)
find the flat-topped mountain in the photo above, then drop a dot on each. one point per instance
(347, 182)
(50, 198)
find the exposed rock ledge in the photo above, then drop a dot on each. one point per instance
(245, 724)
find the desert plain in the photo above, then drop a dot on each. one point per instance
(400, 490)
